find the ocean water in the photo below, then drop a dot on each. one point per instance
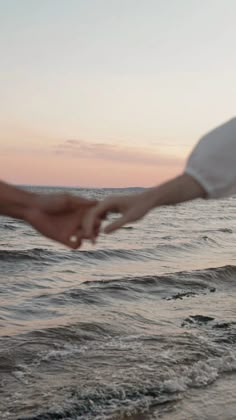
(140, 326)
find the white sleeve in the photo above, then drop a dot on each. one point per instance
(213, 161)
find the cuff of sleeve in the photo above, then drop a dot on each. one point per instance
(210, 192)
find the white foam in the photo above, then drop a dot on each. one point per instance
(202, 373)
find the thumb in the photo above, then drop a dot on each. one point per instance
(121, 221)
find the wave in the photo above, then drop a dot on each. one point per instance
(105, 401)
(174, 286)
(225, 230)
(190, 282)
(8, 226)
(47, 256)
(34, 254)
(143, 254)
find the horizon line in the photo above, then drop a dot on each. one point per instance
(78, 187)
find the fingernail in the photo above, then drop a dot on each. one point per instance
(73, 238)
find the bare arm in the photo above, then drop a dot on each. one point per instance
(56, 216)
(182, 188)
(209, 173)
(133, 207)
(14, 201)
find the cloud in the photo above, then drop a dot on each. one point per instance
(82, 149)
(16, 140)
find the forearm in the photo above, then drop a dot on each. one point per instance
(14, 201)
(178, 190)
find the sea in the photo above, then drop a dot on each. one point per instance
(140, 326)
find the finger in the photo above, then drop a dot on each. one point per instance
(117, 224)
(79, 235)
(95, 234)
(94, 218)
(89, 224)
(97, 230)
(75, 240)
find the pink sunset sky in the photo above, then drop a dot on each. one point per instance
(111, 93)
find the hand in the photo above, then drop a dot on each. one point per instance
(58, 216)
(131, 207)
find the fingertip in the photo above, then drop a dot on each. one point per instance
(108, 229)
(75, 240)
(75, 245)
(114, 226)
(87, 234)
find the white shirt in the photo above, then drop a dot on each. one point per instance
(213, 161)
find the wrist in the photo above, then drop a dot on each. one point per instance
(151, 198)
(147, 199)
(178, 190)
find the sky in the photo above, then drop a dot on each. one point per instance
(111, 93)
